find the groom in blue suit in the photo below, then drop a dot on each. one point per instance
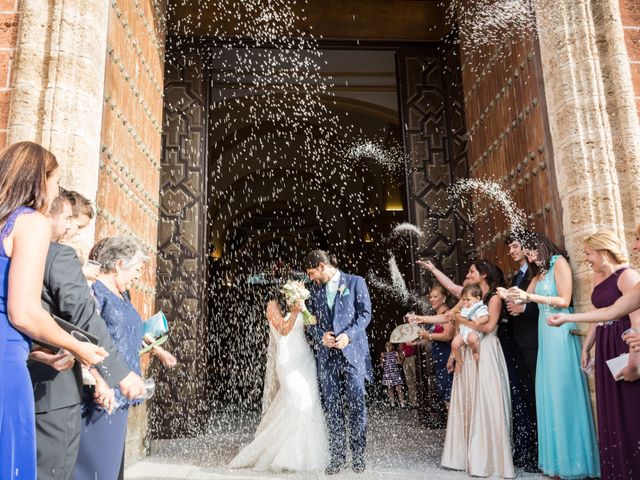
(342, 306)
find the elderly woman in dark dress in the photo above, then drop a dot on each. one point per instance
(103, 435)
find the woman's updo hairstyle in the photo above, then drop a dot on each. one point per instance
(316, 257)
(607, 241)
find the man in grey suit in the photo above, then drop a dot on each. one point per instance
(57, 383)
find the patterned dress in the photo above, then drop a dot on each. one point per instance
(98, 427)
(391, 372)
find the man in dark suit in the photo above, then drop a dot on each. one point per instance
(342, 306)
(522, 346)
(57, 383)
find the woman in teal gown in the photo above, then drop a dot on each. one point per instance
(566, 432)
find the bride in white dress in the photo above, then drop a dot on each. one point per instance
(292, 434)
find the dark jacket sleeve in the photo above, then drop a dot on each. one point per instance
(74, 302)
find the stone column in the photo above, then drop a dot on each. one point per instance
(593, 122)
(58, 85)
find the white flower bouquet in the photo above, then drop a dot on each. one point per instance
(294, 293)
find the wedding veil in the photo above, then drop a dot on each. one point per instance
(271, 385)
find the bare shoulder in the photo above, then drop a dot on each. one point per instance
(34, 223)
(273, 310)
(562, 267)
(628, 279)
(494, 300)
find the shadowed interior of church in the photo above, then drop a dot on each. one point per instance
(272, 199)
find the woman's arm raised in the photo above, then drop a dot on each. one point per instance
(442, 278)
(275, 317)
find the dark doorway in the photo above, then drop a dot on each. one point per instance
(280, 186)
(245, 194)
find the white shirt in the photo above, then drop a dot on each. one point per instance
(480, 312)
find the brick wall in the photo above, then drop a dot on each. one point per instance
(8, 38)
(630, 12)
(128, 185)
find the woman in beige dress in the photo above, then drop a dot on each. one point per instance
(478, 438)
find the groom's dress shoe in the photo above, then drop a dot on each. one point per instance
(334, 467)
(358, 465)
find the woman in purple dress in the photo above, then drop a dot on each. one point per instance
(617, 398)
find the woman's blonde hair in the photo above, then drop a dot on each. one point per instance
(607, 241)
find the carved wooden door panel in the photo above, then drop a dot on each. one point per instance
(434, 135)
(181, 402)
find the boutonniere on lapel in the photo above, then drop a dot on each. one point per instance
(343, 290)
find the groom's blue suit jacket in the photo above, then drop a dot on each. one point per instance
(351, 314)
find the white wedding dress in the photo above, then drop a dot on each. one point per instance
(292, 434)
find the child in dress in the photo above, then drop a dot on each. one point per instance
(391, 373)
(472, 309)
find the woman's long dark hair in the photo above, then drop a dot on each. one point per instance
(274, 292)
(24, 170)
(546, 250)
(493, 274)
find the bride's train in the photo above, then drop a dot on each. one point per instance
(292, 434)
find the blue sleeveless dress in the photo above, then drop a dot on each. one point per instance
(17, 412)
(566, 433)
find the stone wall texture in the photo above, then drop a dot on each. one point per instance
(130, 141)
(630, 14)
(9, 17)
(593, 122)
(58, 81)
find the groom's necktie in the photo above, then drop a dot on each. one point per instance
(332, 290)
(518, 278)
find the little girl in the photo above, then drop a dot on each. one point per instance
(391, 373)
(472, 309)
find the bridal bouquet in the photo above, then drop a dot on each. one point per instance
(295, 292)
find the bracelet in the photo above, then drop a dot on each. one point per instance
(527, 298)
(430, 338)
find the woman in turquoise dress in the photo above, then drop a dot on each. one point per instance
(28, 184)
(566, 432)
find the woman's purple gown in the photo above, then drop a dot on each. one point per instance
(617, 402)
